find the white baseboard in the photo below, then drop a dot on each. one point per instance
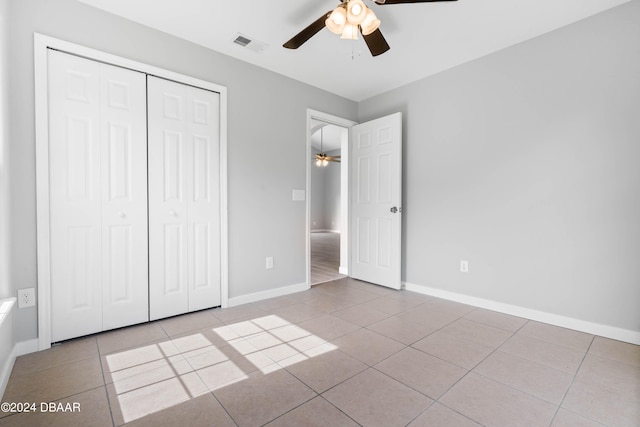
(343, 270)
(7, 346)
(271, 293)
(19, 348)
(606, 331)
(324, 230)
(5, 373)
(26, 347)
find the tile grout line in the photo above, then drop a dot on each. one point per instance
(104, 380)
(293, 375)
(406, 346)
(211, 392)
(558, 406)
(341, 411)
(471, 370)
(244, 338)
(573, 380)
(295, 407)
(221, 405)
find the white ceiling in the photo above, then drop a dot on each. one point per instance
(425, 38)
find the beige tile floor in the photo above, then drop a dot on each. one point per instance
(344, 353)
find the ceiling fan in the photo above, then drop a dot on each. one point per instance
(351, 17)
(321, 158)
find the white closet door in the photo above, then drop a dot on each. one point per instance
(203, 126)
(168, 273)
(98, 263)
(184, 245)
(74, 169)
(125, 283)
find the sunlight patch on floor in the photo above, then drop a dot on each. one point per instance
(157, 376)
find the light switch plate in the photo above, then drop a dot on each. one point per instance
(298, 195)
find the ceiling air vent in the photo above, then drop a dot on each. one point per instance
(242, 41)
(249, 43)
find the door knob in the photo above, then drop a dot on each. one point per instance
(394, 209)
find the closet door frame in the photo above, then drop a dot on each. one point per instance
(41, 45)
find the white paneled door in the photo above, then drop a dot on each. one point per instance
(98, 200)
(376, 197)
(184, 198)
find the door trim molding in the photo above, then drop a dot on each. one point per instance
(41, 44)
(348, 124)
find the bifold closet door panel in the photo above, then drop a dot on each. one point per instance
(203, 211)
(184, 207)
(97, 191)
(168, 275)
(125, 282)
(74, 192)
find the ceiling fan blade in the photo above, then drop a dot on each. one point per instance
(304, 35)
(332, 157)
(376, 43)
(381, 2)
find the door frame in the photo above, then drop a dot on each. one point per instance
(41, 44)
(344, 188)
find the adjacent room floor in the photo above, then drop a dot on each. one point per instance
(325, 257)
(344, 353)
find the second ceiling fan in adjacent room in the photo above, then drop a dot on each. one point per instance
(321, 158)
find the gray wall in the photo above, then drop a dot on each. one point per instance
(316, 200)
(325, 195)
(5, 289)
(526, 163)
(331, 199)
(267, 115)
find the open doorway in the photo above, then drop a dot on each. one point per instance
(327, 204)
(325, 200)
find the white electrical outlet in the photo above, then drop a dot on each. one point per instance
(26, 297)
(464, 266)
(269, 263)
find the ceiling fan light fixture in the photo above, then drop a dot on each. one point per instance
(321, 157)
(322, 160)
(349, 32)
(335, 22)
(356, 12)
(370, 23)
(348, 19)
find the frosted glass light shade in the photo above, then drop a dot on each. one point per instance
(370, 23)
(335, 22)
(349, 32)
(356, 12)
